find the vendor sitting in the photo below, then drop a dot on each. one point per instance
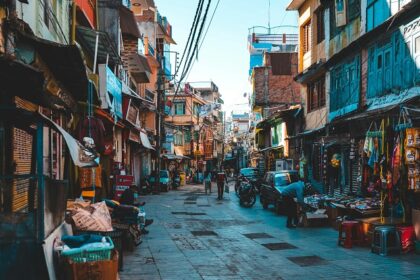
(289, 193)
(129, 197)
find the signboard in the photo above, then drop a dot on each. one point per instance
(284, 164)
(114, 87)
(122, 182)
(109, 84)
(207, 109)
(132, 115)
(169, 138)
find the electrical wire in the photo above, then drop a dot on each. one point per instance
(191, 36)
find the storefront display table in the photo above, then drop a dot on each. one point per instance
(386, 240)
(350, 232)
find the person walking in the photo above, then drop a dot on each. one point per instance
(221, 180)
(289, 193)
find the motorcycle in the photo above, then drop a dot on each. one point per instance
(247, 193)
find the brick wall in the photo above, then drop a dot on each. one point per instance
(281, 89)
(146, 16)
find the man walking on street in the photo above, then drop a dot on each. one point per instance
(221, 180)
(292, 191)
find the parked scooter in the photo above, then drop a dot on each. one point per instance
(145, 187)
(177, 181)
(247, 193)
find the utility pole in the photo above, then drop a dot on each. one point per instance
(160, 93)
(223, 143)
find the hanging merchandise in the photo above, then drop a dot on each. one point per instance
(412, 157)
(88, 174)
(94, 128)
(396, 161)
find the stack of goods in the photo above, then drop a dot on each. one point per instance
(318, 200)
(86, 248)
(359, 203)
(88, 257)
(412, 156)
(127, 218)
(90, 217)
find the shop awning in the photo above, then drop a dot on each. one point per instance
(139, 68)
(144, 103)
(307, 132)
(179, 151)
(86, 37)
(145, 141)
(174, 157)
(13, 73)
(81, 156)
(65, 62)
(271, 148)
(128, 23)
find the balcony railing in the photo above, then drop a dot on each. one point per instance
(163, 22)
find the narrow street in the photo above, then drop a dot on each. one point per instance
(195, 236)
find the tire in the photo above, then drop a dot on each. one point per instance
(249, 202)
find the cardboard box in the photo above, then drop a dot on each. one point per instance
(100, 270)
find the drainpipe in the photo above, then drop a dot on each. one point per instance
(73, 22)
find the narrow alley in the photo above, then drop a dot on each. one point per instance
(195, 236)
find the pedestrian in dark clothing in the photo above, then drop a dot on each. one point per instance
(221, 180)
(128, 196)
(292, 191)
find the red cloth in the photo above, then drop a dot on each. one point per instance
(221, 177)
(97, 132)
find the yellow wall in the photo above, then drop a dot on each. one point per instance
(317, 51)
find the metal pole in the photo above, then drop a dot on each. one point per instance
(96, 53)
(40, 177)
(159, 125)
(223, 143)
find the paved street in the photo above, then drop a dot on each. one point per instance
(194, 236)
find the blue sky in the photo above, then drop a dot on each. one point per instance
(224, 57)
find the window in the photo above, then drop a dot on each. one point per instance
(353, 8)
(320, 30)
(196, 109)
(281, 63)
(179, 108)
(378, 11)
(179, 139)
(306, 40)
(316, 95)
(417, 45)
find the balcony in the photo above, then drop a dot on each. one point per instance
(149, 95)
(164, 24)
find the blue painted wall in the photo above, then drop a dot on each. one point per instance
(344, 87)
(392, 62)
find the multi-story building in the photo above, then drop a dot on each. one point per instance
(71, 70)
(358, 61)
(276, 95)
(196, 122)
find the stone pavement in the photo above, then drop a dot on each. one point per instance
(195, 236)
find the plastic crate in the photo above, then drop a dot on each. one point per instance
(81, 255)
(116, 236)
